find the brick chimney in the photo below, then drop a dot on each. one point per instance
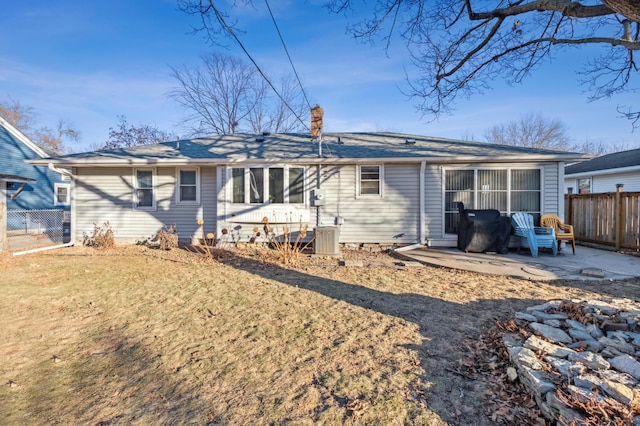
(316, 121)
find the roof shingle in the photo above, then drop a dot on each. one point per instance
(610, 161)
(300, 148)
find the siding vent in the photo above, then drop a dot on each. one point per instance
(410, 141)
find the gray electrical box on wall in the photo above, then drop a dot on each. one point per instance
(319, 197)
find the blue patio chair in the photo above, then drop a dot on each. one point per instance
(532, 236)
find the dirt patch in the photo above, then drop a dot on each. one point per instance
(141, 336)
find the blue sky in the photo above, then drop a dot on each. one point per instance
(90, 61)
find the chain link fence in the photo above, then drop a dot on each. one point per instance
(27, 229)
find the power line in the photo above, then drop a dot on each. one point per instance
(304, 93)
(229, 30)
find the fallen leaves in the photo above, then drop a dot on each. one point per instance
(488, 361)
(575, 311)
(599, 411)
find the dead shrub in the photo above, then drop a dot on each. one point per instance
(206, 245)
(102, 236)
(288, 250)
(256, 234)
(168, 237)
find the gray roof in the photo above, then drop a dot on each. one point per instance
(610, 161)
(300, 148)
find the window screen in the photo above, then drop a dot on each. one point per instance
(369, 180)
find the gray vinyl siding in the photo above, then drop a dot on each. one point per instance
(106, 194)
(434, 202)
(551, 189)
(607, 182)
(391, 218)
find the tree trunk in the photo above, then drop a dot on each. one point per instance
(628, 8)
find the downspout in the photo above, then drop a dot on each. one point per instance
(319, 181)
(423, 227)
(561, 190)
(61, 171)
(317, 114)
(36, 250)
(3, 216)
(317, 188)
(71, 231)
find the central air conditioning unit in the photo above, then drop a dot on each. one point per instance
(327, 241)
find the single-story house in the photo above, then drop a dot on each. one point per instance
(372, 187)
(35, 186)
(604, 173)
(26, 187)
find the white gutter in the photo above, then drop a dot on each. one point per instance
(299, 160)
(61, 171)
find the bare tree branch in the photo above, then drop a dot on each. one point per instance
(531, 131)
(566, 8)
(23, 118)
(226, 95)
(461, 47)
(126, 135)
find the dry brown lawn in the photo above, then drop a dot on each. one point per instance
(140, 336)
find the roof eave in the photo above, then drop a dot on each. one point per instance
(600, 172)
(113, 162)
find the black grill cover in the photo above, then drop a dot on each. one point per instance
(483, 231)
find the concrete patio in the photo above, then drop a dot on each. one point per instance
(587, 264)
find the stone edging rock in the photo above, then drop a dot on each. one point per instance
(580, 351)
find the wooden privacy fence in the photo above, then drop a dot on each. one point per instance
(611, 218)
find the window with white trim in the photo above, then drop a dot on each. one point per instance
(237, 183)
(506, 190)
(61, 194)
(370, 180)
(144, 196)
(584, 186)
(188, 186)
(260, 185)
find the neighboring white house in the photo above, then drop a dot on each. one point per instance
(374, 187)
(602, 174)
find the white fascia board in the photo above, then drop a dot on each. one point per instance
(629, 169)
(61, 162)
